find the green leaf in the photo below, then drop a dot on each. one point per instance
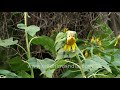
(21, 26)
(78, 76)
(95, 63)
(46, 42)
(40, 64)
(61, 54)
(91, 65)
(50, 70)
(113, 42)
(8, 42)
(102, 62)
(17, 64)
(60, 36)
(24, 74)
(59, 45)
(107, 58)
(67, 73)
(72, 74)
(110, 51)
(47, 66)
(9, 74)
(43, 65)
(118, 76)
(49, 73)
(60, 40)
(57, 64)
(31, 30)
(116, 58)
(116, 63)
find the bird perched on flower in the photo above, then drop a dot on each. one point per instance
(71, 41)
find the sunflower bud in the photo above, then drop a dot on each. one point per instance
(92, 40)
(117, 40)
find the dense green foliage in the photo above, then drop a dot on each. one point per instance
(95, 57)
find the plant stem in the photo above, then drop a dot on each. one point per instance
(82, 55)
(80, 63)
(27, 43)
(28, 48)
(32, 39)
(22, 48)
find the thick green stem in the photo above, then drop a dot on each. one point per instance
(80, 63)
(28, 48)
(27, 43)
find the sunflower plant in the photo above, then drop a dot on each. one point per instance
(66, 48)
(65, 44)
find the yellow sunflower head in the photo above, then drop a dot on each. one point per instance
(71, 41)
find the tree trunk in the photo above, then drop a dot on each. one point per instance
(113, 21)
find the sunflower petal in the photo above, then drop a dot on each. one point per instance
(69, 47)
(73, 46)
(65, 47)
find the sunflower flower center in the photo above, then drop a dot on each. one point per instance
(71, 44)
(71, 41)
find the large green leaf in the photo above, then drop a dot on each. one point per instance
(31, 30)
(110, 51)
(17, 64)
(40, 64)
(50, 70)
(91, 65)
(46, 42)
(95, 63)
(107, 58)
(60, 37)
(116, 58)
(102, 62)
(43, 65)
(47, 66)
(116, 63)
(24, 74)
(9, 74)
(8, 42)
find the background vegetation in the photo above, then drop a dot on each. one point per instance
(97, 42)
